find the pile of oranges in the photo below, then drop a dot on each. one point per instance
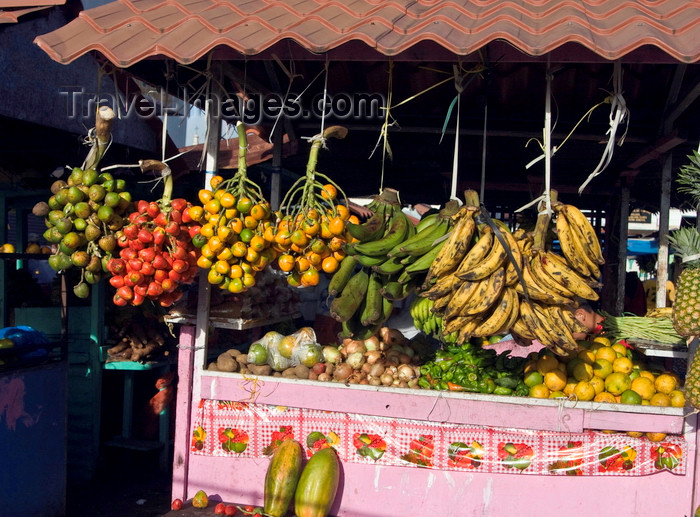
(231, 238)
(310, 240)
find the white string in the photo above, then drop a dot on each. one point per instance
(618, 114)
(291, 75)
(455, 157)
(548, 142)
(323, 109)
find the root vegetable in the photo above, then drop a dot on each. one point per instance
(404, 358)
(324, 377)
(342, 372)
(387, 379)
(289, 373)
(372, 343)
(391, 336)
(332, 354)
(356, 360)
(330, 368)
(364, 381)
(212, 367)
(301, 371)
(366, 368)
(226, 363)
(118, 348)
(403, 384)
(313, 375)
(406, 372)
(373, 356)
(242, 359)
(376, 370)
(233, 352)
(355, 378)
(263, 369)
(413, 383)
(374, 381)
(354, 347)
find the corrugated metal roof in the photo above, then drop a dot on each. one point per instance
(11, 10)
(128, 31)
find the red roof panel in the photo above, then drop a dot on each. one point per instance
(127, 31)
(11, 10)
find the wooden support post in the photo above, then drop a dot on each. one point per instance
(664, 210)
(622, 249)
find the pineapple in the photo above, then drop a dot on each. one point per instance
(686, 307)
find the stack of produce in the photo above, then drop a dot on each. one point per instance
(311, 225)
(486, 280)
(137, 340)
(602, 372)
(157, 256)
(234, 216)
(82, 216)
(476, 369)
(393, 256)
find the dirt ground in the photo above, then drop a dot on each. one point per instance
(127, 484)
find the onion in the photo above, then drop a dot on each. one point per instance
(391, 370)
(413, 383)
(356, 360)
(393, 337)
(376, 370)
(372, 343)
(383, 333)
(364, 381)
(324, 377)
(366, 368)
(355, 378)
(404, 359)
(331, 354)
(374, 381)
(373, 356)
(406, 373)
(342, 372)
(403, 384)
(355, 346)
(416, 369)
(387, 379)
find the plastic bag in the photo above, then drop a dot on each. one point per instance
(282, 352)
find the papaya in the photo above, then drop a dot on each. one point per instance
(281, 478)
(318, 484)
(200, 499)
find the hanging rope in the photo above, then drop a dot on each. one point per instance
(619, 114)
(291, 75)
(320, 137)
(384, 132)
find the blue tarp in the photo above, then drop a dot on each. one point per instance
(642, 246)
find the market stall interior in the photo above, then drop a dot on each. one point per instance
(535, 133)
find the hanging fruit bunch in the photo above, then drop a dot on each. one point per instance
(234, 216)
(84, 213)
(311, 227)
(157, 256)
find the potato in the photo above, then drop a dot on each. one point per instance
(289, 373)
(301, 371)
(226, 363)
(212, 367)
(263, 369)
(242, 359)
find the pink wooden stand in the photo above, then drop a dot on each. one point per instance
(380, 491)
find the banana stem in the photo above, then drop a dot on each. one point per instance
(542, 225)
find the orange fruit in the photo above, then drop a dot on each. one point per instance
(644, 387)
(301, 264)
(235, 286)
(311, 227)
(336, 226)
(310, 277)
(239, 249)
(244, 205)
(215, 181)
(203, 262)
(212, 206)
(339, 255)
(635, 434)
(677, 398)
(283, 238)
(622, 365)
(285, 262)
(336, 244)
(329, 191)
(587, 356)
(195, 212)
(299, 238)
(584, 391)
(269, 234)
(257, 243)
(342, 212)
(602, 340)
(660, 399)
(235, 271)
(314, 258)
(617, 383)
(555, 379)
(655, 437)
(607, 353)
(205, 196)
(604, 396)
(570, 385)
(602, 368)
(540, 391)
(215, 244)
(207, 230)
(597, 383)
(330, 265)
(260, 212)
(648, 375)
(250, 222)
(583, 372)
(665, 383)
